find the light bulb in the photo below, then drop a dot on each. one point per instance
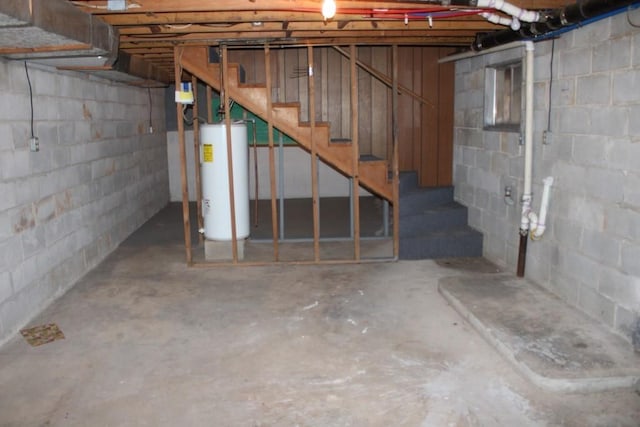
(328, 9)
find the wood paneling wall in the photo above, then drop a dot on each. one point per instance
(425, 131)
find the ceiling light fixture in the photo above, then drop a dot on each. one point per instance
(328, 9)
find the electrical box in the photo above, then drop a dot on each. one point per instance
(184, 93)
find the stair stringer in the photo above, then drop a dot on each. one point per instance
(373, 175)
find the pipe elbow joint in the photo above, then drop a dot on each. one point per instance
(537, 233)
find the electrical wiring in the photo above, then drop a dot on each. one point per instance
(26, 70)
(150, 110)
(189, 121)
(633, 24)
(553, 48)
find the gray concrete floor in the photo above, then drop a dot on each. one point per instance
(152, 342)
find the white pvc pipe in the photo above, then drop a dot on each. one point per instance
(528, 136)
(538, 229)
(513, 23)
(509, 9)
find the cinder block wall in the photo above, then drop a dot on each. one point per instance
(98, 176)
(590, 254)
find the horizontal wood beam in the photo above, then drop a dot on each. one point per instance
(186, 18)
(304, 35)
(320, 27)
(151, 6)
(326, 41)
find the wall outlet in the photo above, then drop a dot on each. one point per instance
(546, 137)
(34, 144)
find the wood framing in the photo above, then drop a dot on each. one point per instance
(384, 79)
(355, 149)
(227, 119)
(272, 159)
(196, 157)
(183, 164)
(151, 28)
(396, 172)
(314, 156)
(209, 105)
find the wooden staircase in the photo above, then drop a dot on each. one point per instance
(373, 174)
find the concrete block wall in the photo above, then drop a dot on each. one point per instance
(590, 254)
(98, 176)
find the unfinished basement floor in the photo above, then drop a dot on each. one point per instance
(149, 341)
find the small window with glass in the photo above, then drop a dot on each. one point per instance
(503, 97)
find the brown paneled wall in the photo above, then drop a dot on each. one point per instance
(425, 131)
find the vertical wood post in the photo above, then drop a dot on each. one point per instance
(396, 173)
(355, 153)
(183, 160)
(272, 159)
(196, 152)
(314, 156)
(209, 106)
(227, 119)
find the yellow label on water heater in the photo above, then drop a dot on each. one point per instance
(207, 153)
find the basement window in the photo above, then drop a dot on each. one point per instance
(503, 97)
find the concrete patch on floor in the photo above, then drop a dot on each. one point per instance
(554, 345)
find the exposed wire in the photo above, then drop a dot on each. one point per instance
(26, 70)
(553, 49)
(633, 24)
(189, 121)
(150, 110)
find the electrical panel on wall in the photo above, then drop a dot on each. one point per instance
(184, 93)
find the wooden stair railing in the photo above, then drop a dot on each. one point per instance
(373, 174)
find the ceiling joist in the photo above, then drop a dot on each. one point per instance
(150, 29)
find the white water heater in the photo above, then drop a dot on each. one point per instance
(216, 207)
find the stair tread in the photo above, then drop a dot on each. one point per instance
(369, 158)
(317, 124)
(251, 86)
(285, 105)
(449, 232)
(426, 190)
(437, 208)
